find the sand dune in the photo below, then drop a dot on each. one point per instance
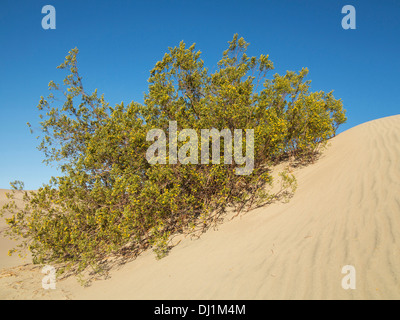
(346, 211)
(5, 243)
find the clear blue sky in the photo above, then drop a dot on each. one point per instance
(120, 41)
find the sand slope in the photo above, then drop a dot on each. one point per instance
(5, 243)
(346, 211)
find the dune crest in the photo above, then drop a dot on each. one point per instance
(346, 211)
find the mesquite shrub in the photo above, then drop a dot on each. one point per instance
(110, 200)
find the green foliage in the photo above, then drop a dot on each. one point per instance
(17, 185)
(110, 200)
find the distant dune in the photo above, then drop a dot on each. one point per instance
(346, 211)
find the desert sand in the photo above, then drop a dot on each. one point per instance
(346, 211)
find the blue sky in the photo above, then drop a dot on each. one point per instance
(120, 41)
